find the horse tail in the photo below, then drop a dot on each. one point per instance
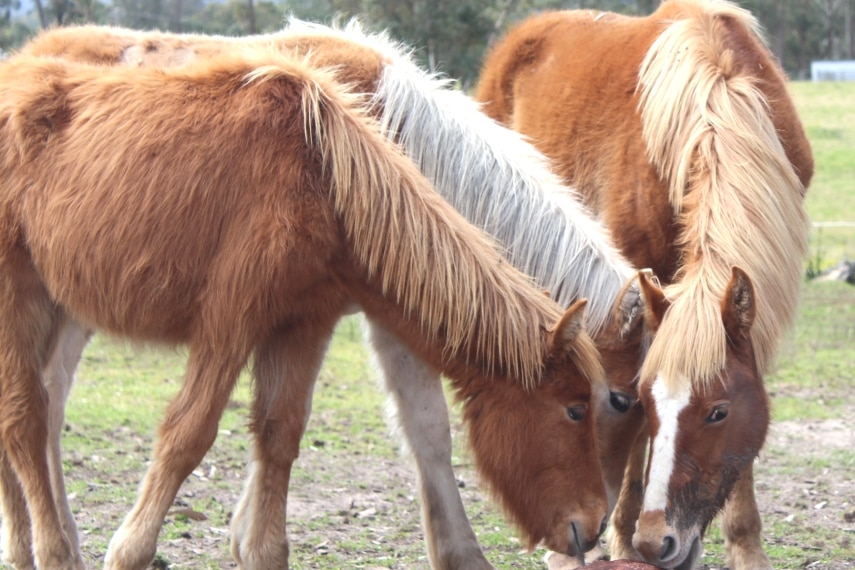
(422, 253)
(736, 193)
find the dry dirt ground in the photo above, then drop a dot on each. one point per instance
(341, 504)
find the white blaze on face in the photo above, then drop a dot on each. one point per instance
(668, 406)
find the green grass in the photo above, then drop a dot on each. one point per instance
(818, 357)
(828, 116)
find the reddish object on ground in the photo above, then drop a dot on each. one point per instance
(619, 565)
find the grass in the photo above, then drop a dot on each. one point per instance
(828, 116)
(818, 356)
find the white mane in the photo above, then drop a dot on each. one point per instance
(496, 179)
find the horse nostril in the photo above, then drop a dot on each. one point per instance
(603, 525)
(669, 549)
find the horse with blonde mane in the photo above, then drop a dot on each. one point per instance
(678, 130)
(240, 206)
(490, 174)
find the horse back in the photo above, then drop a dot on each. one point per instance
(570, 81)
(152, 203)
(354, 63)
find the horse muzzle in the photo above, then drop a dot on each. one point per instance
(663, 546)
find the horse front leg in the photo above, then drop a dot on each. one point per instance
(17, 541)
(29, 322)
(186, 434)
(416, 389)
(58, 378)
(285, 371)
(628, 507)
(742, 527)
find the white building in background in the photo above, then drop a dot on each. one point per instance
(832, 70)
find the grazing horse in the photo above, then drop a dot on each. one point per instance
(490, 174)
(240, 205)
(678, 130)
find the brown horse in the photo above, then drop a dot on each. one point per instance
(678, 130)
(240, 206)
(490, 175)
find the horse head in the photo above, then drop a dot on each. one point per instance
(537, 447)
(622, 344)
(702, 436)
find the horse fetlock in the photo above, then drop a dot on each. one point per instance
(130, 551)
(56, 556)
(17, 548)
(469, 558)
(270, 555)
(620, 544)
(18, 558)
(744, 557)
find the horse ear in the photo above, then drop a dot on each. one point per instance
(738, 307)
(629, 309)
(655, 303)
(572, 323)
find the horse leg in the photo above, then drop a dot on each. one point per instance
(742, 527)
(285, 371)
(58, 376)
(628, 506)
(423, 414)
(29, 323)
(17, 541)
(186, 434)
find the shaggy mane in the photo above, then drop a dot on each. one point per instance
(738, 198)
(582, 256)
(445, 272)
(495, 178)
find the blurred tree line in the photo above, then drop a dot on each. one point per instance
(449, 36)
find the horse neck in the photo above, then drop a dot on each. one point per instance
(502, 184)
(421, 264)
(733, 186)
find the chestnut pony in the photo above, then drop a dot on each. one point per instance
(498, 181)
(240, 206)
(678, 130)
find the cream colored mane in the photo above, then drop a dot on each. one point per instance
(738, 198)
(495, 178)
(446, 273)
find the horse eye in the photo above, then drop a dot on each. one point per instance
(717, 414)
(577, 413)
(620, 402)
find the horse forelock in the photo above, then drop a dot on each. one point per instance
(737, 196)
(499, 182)
(441, 269)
